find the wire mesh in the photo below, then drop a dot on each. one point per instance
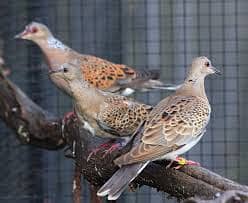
(157, 34)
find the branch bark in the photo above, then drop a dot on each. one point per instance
(37, 127)
(230, 196)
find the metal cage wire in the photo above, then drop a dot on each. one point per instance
(157, 34)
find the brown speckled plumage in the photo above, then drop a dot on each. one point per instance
(100, 73)
(104, 114)
(121, 115)
(168, 129)
(109, 76)
(172, 128)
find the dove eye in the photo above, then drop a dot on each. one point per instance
(207, 64)
(65, 70)
(34, 30)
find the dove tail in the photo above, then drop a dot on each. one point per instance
(120, 180)
(157, 84)
(151, 81)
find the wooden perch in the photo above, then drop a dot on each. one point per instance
(37, 127)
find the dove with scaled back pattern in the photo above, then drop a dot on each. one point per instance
(172, 128)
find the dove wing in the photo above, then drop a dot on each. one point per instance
(175, 122)
(122, 116)
(109, 76)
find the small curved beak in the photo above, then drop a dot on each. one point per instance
(216, 71)
(23, 33)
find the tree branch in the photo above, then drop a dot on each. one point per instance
(37, 127)
(230, 196)
(32, 124)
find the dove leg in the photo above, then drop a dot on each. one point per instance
(118, 145)
(97, 149)
(182, 162)
(115, 146)
(112, 148)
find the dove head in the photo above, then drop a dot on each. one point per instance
(67, 77)
(34, 31)
(200, 68)
(68, 71)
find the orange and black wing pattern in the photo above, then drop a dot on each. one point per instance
(110, 76)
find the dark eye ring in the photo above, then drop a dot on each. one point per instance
(207, 64)
(65, 70)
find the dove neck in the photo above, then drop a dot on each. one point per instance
(54, 50)
(51, 42)
(194, 86)
(83, 92)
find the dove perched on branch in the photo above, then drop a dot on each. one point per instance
(103, 114)
(172, 128)
(100, 73)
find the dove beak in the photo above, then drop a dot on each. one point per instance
(56, 70)
(23, 33)
(216, 71)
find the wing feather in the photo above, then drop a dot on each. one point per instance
(109, 76)
(122, 116)
(179, 122)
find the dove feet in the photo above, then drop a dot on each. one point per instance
(112, 148)
(109, 147)
(182, 162)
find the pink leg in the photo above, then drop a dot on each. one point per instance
(97, 149)
(182, 162)
(113, 147)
